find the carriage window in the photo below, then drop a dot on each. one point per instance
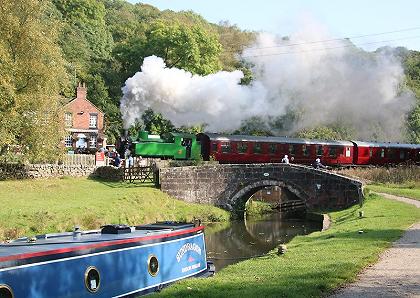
(382, 153)
(319, 150)
(214, 147)
(257, 148)
(292, 149)
(391, 153)
(402, 154)
(333, 151)
(273, 148)
(370, 152)
(348, 153)
(226, 147)
(305, 150)
(242, 147)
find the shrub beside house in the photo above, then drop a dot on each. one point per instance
(84, 124)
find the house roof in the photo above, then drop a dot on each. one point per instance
(99, 110)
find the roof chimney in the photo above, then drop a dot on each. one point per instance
(81, 91)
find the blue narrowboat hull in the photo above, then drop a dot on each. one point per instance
(102, 265)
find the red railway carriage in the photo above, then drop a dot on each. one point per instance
(254, 149)
(369, 153)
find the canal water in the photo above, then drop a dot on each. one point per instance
(240, 240)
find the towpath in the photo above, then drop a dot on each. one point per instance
(397, 274)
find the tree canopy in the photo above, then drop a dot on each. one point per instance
(32, 76)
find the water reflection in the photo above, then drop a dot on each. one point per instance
(242, 240)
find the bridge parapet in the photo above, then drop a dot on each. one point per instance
(230, 186)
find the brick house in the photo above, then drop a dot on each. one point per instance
(84, 123)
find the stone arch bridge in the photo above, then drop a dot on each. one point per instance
(230, 186)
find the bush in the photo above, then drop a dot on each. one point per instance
(396, 175)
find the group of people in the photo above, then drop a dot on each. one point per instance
(317, 163)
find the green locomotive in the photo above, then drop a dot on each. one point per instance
(169, 146)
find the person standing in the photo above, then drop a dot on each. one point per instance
(285, 159)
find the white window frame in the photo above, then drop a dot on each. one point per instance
(68, 119)
(68, 141)
(93, 120)
(93, 142)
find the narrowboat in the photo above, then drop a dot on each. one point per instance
(115, 261)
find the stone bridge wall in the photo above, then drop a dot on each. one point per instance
(230, 186)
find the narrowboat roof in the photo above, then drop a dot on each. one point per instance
(387, 145)
(80, 239)
(285, 140)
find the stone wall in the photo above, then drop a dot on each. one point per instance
(31, 171)
(230, 186)
(19, 171)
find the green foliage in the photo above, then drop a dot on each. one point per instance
(255, 126)
(412, 71)
(155, 123)
(333, 132)
(402, 174)
(257, 208)
(32, 76)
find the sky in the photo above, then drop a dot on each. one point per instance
(343, 18)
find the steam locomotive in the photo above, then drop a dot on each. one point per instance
(257, 149)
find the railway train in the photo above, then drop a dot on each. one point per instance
(258, 149)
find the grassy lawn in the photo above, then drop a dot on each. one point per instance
(408, 190)
(31, 207)
(315, 264)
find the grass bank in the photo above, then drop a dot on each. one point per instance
(41, 206)
(257, 208)
(408, 190)
(315, 264)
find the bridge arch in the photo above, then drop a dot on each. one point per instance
(228, 185)
(236, 203)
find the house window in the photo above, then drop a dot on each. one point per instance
(93, 121)
(68, 141)
(68, 119)
(242, 147)
(92, 142)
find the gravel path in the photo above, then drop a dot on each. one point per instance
(397, 274)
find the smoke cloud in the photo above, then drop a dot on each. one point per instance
(326, 82)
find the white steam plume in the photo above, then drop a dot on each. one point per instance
(343, 84)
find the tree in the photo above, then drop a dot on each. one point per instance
(32, 75)
(155, 123)
(181, 46)
(256, 126)
(412, 71)
(327, 132)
